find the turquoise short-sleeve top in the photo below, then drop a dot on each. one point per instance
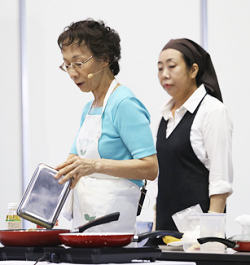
(126, 132)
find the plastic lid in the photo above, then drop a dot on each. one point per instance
(12, 205)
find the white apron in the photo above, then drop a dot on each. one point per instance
(99, 194)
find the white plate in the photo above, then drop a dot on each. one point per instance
(170, 248)
(175, 244)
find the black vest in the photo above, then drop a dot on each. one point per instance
(183, 178)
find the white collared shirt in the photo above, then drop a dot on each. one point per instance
(210, 136)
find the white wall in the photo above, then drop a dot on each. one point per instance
(10, 108)
(144, 26)
(229, 42)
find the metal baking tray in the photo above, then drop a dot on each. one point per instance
(44, 197)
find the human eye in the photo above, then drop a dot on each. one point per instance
(66, 66)
(171, 66)
(78, 64)
(160, 66)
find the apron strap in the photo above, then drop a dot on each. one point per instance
(109, 92)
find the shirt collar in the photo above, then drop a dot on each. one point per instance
(190, 104)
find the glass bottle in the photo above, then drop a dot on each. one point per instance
(13, 221)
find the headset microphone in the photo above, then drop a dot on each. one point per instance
(90, 76)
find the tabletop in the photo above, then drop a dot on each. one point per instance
(137, 262)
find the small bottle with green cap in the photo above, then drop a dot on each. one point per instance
(13, 221)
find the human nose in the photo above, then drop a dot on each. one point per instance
(165, 73)
(72, 72)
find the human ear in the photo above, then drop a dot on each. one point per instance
(105, 63)
(194, 70)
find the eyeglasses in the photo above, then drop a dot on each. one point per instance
(77, 65)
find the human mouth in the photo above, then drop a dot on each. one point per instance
(79, 84)
(167, 86)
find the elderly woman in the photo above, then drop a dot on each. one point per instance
(113, 151)
(194, 139)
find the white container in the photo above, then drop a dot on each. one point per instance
(212, 225)
(190, 245)
(13, 221)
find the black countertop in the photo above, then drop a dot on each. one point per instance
(80, 255)
(230, 257)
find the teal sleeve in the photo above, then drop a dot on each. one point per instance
(133, 122)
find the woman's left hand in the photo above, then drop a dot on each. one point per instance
(74, 167)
